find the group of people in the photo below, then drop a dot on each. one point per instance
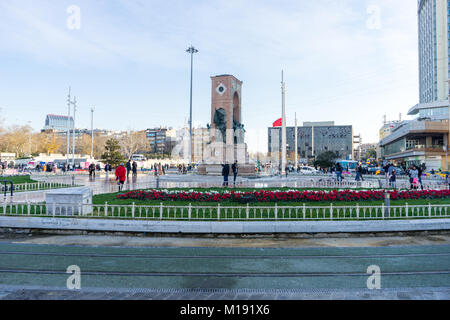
(226, 172)
(414, 173)
(336, 172)
(183, 169)
(415, 177)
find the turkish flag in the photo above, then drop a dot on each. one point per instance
(278, 123)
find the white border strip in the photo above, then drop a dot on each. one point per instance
(223, 227)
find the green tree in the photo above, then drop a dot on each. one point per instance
(112, 153)
(326, 159)
(371, 153)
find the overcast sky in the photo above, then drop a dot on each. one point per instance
(348, 61)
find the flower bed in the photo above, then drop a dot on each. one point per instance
(282, 196)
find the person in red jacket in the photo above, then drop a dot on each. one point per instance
(121, 174)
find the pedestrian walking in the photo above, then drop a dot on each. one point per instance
(420, 171)
(392, 179)
(134, 169)
(413, 177)
(120, 173)
(338, 172)
(128, 168)
(235, 169)
(91, 170)
(107, 170)
(225, 173)
(358, 172)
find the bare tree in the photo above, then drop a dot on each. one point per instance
(133, 142)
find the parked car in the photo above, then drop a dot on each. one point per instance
(308, 170)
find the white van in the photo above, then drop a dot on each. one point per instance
(138, 157)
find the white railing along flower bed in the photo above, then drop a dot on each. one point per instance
(226, 213)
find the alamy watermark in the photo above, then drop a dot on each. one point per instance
(374, 20)
(74, 280)
(74, 18)
(374, 281)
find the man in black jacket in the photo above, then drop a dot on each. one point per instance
(235, 168)
(225, 173)
(128, 166)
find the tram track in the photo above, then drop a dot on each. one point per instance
(223, 274)
(261, 257)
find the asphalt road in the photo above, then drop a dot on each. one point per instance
(30, 271)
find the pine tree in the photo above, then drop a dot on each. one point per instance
(112, 153)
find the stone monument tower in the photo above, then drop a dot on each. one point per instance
(227, 131)
(227, 134)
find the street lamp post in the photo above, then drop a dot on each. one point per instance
(29, 139)
(191, 50)
(73, 132)
(92, 133)
(69, 102)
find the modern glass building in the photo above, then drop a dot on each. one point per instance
(424, 140)
(434, 48)
(57, 123)
(313, 138)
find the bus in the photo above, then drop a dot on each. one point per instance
(348, 165)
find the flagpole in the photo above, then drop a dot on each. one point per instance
(283, 129)
(296, 142)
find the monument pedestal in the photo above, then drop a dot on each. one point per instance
(245, 170)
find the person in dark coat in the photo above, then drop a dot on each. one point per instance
(225, 173)
(128, 168)
(235, 169)
(91, 170)
(134, 168)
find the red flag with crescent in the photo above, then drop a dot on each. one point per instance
(278, 123)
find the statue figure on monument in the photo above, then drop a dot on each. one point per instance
(220, 121)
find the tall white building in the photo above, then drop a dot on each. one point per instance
(433, 20)
(425, 140)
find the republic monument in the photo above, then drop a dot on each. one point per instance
(227, 134)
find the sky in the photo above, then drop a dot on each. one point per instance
(348, 61)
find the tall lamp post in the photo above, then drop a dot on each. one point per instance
(92, 133)
(29, 138)
(191, 50)
(73, 132)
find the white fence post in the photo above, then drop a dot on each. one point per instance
(132, 210)
(304, 211)
(247, 211)
(190, 211)
(331, 212)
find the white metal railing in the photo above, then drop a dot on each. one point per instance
(221, 212)
(34, 186)
(319, 183)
